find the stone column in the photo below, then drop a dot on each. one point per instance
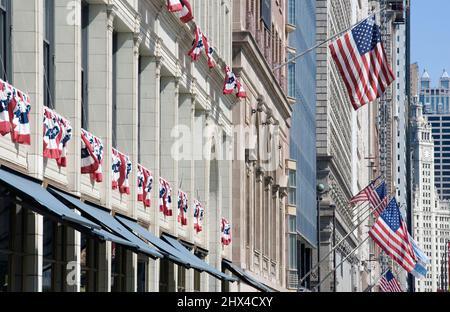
(201, 184)
(149, 111)
(68, 80)
(126, 79)
(214, 204)
(34, 248)
(169, 119)
(73, 257)
(27, 49)
(101, 19)
(186, 167)
(104, 267)
(131, 271)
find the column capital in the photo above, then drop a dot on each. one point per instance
(138, 37)
(111, 10)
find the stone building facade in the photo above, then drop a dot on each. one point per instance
(261, 150)
(119, 69)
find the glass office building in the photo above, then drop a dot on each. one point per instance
(302, 88)
(435, 102)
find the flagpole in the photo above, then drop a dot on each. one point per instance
(342, 262)
(338, 244)
(327, 40)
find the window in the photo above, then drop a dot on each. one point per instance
(166, 276)
(5, 39)
(292, 186)
(49, 51)
(291, 79)
(12, 245)
(291, 12)
(118, 268)
(89, 264)
(181, 278)
(142, 271)
(54, 256)
(292, 237)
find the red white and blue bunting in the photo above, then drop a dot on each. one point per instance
(92, 154)
(14, 114)
(57, 133)
(186, 14)
(225, 230)
(121, 169)
(199, 214)
(145, 185)
(201, 44)
(183, 207)
(232, 84)
(165, 198)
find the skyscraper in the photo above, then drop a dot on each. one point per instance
(435, 102)
(302, 88)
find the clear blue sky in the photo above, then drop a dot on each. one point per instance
(430, 36)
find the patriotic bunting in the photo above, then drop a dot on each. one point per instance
(6, 95)
(57, 133)
(145, 185)
(121, 169)
(165, 197)
(199, 214)
(232, 84)
(182, 207)
(174, 6)
(186, 14)
(225, 229)
(201, 44)
(14, 114)
(92, 151)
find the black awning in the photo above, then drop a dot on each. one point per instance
(246, 278)
(42, 202)
(197, 263)
(107, 220)
(170, 252)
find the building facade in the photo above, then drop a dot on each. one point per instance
(302, 89)
(261, 218)
(435, 103)
(431, 214)
(334, 152)
(119, 70)
(424, 195)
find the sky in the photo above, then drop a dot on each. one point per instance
(430, 36)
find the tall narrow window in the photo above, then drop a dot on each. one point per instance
(49, 50)
(118, 268)
(89, 264)
(84, 65)
(142, 271)
(5, 40)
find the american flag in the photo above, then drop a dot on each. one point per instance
(391, 234)
(380, 199)
(364, 194)
(362, 62)
(389, 283)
